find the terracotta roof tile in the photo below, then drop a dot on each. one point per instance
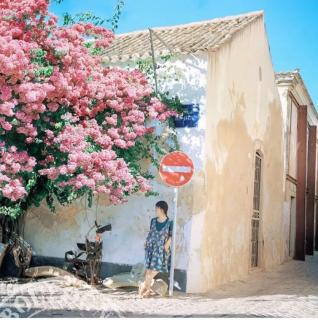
(188, 38)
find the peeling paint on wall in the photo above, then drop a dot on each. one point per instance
(243, 114)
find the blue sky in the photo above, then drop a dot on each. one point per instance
(292, 26)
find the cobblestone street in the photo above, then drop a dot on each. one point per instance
(289, 290)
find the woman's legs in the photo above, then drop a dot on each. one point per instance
(142, 287)
(145, 286)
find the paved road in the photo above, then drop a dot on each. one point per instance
(289, 290)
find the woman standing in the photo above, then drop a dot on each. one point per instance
(157, 247)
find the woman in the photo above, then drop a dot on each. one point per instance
(157, 247)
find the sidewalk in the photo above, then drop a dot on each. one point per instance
(289, 290)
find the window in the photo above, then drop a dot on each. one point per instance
(255, 223)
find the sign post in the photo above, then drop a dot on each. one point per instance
(176, 169)
(173, 249)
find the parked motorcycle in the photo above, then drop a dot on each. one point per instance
(86, 263)
(15, 252)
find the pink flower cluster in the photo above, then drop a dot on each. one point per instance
(11, 163)
(44, 68)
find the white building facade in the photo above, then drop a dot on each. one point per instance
(230, 215)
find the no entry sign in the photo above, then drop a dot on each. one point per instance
(176, 169)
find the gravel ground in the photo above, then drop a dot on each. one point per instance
(289, 290)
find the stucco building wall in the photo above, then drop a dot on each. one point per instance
(243, 115)
(240, 113)
(290, 111)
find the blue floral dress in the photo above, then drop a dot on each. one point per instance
(156, 258)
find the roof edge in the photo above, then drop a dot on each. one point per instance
(295, 75)
(258, 13)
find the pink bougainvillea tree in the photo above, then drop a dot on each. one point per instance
(68, 125)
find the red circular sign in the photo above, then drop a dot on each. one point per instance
(176, 169)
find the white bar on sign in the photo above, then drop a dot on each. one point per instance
(181, 169)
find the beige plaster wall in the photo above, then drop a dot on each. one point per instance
(290, 149)
(243, 115)
(289, 109)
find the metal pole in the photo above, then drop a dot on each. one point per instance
(153, 61)
(161, 40)
(173, 249)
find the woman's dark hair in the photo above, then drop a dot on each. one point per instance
(162, 205)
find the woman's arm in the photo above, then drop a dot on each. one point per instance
(145, 243)
(167, 244)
